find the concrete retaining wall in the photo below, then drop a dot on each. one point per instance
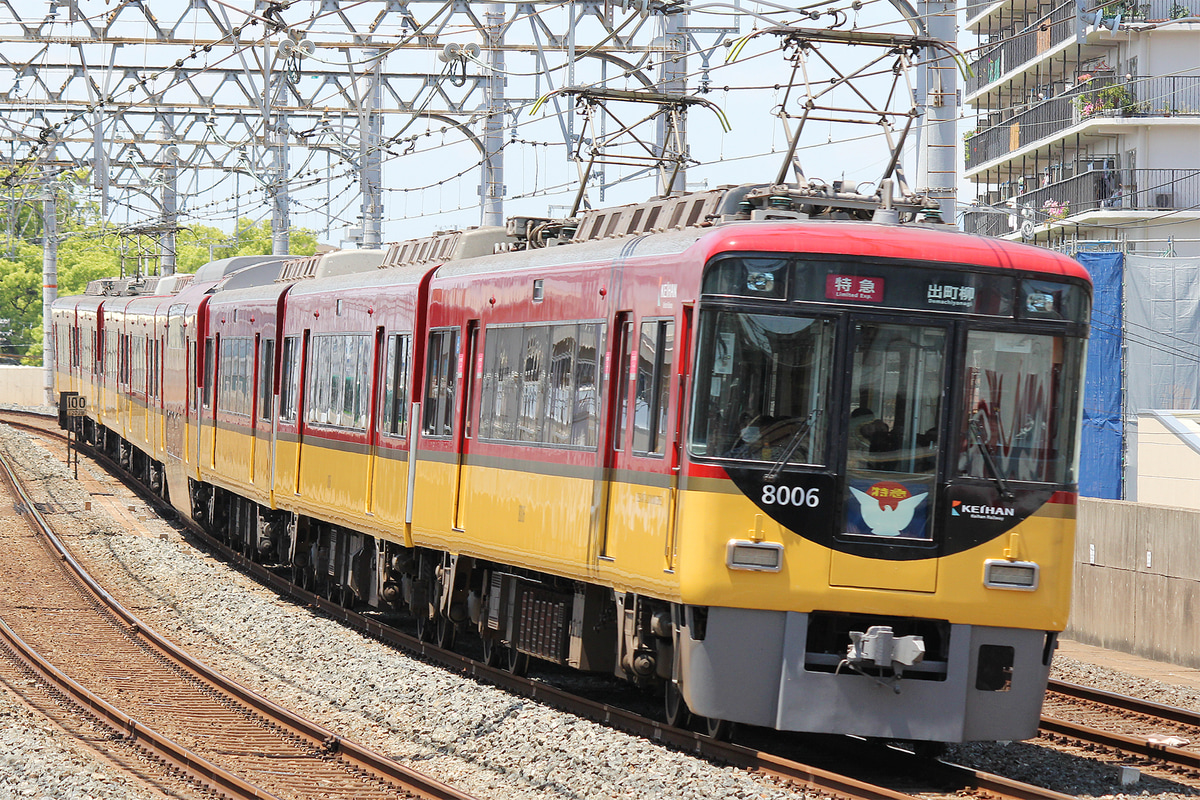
(22, 386)
(1137, 580)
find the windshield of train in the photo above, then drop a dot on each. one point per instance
(1019, 407)
(760, 387)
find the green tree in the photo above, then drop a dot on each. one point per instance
(21, 305)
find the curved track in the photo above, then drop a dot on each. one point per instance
(919, 775)
(56, 619)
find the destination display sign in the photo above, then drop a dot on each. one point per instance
(910, 286)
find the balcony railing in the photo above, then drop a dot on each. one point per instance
(1149, 97)
(1100, 189)
(986, 223)
(1153, 11)
(1008, 54)
(1042, 120)
(975, 7)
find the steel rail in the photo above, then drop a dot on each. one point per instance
(1117, 741)
(1130, 744)
(1146, 707)
(358, 756)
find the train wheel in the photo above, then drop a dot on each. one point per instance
(493, 650)
(677, 713)
(515, 661)
(446, 632)
(426, 629)
(720, 730)
(306, 579)
(928, 750)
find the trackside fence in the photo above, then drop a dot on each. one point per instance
(1137, 580)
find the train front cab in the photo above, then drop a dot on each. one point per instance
(883, 451)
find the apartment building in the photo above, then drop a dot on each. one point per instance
(1087, 123)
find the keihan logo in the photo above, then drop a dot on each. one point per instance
(958, 509)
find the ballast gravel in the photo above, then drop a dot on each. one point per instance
(472, 736)
(38, 760)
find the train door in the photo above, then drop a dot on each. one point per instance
(208, 415)
(191, 446)
(302, 401)
(377, 378)
(255, 395)
(640, 497)
(675, 448)
(893, 415)
(612, 444)
(471, 369)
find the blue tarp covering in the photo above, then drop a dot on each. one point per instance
(1103, 429)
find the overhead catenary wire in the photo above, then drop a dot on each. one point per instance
(155, 90)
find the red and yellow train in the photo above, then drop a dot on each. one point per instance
(814, 474)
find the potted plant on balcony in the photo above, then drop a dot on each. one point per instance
(1056, 210)
(1117, 97)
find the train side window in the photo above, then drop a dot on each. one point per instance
(560, 399)
(357, 380)
(340, 372)
(224, 373)
(394, 414)
(266, 372)
(152, 368)
(323, 353)
(440, 383)
(123, 360)
(289, 380)
(246, 378)
(209, 364)
(534, 383)
(193, 391)
(656, 355)
(501, 403)
(585, 422)
(621, 373)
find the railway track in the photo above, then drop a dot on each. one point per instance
(945, 777)
(72, 635)
(1152, 734)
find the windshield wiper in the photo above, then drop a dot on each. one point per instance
(988, 460)
(792, 444)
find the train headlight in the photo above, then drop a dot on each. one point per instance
(758, 556)
(1001, 574)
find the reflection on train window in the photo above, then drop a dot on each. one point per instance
(266, 374)
(540, 384)
(895, 398)
(209, 367)
(394, 414)
(338, 380)
(760, 388)
(234, 374)
(440, 383)
(1010, 427)
(656, 355)
(289, 379)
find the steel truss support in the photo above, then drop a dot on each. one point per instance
(288, 94)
